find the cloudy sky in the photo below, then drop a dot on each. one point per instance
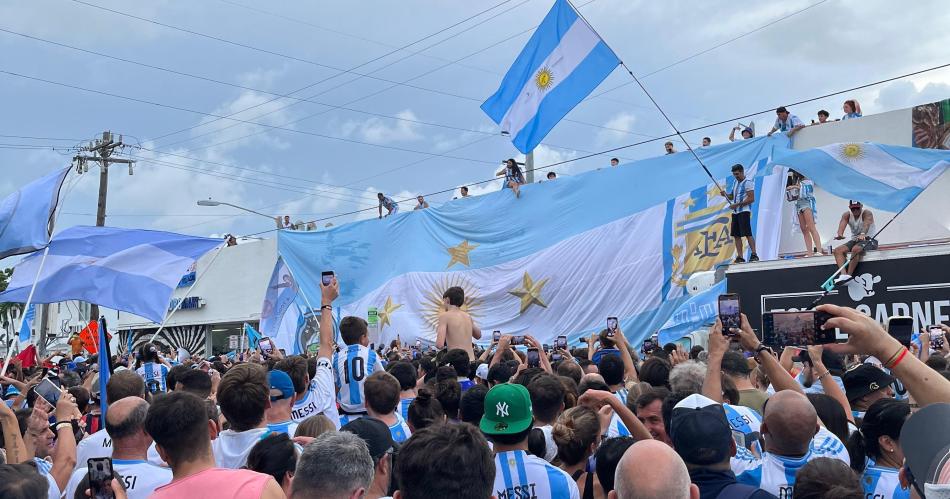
(310, 108)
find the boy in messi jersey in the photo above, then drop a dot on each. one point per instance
(507, 422)
(351, 366)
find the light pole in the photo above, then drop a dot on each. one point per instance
(210, 202)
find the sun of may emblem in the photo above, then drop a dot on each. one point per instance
(544, 79)
(852, 151)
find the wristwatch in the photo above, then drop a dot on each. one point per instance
(764, 348)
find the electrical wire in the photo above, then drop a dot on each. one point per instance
(614, 149)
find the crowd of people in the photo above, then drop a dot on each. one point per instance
(516, 419)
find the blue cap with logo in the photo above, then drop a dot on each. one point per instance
(281, 386)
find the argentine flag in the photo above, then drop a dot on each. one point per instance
(562, 64)
(882, 176)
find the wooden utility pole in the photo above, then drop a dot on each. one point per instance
(102, 150)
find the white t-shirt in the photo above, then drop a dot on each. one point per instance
(519, 474)
(550, 447)
(319, 398)
(99, 444)
(351, 367)
(231, 447)
(141, 478)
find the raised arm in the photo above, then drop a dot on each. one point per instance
(503, 343)
(542, 356)
(327, 295)
(718, 345)
(732, 134)
(865, 336)
(629, 369)
(828, 383)
(12, 441)
(64, 454)
(779, 377)
(599, 398)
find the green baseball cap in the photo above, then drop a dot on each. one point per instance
(507, 410)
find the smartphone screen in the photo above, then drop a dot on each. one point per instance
(560, 343)
(266, 346)
(782, 329)
(326, 277)
(49, 391)
(495, 336)
(100, 477)
(647, 347)
(729, 312)
(611, 326)
(534, 357)
(936, 338)
(517, 340)
(555, 357)
(901, 328)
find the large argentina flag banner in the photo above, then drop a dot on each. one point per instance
(131, 270)
(562, 63)
(881, 176)
(571, 252)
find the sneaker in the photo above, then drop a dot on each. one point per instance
(818, 253)
(842, 278)
(739, 259)
(753, 257)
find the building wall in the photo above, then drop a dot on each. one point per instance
(928, 217)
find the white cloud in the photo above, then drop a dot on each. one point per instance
(615, 128)
(901, 94)
(382, 130)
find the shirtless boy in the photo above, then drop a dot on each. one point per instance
(456, 328)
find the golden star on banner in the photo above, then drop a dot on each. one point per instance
(688, 203)
(712, 192)
(460, 253)
(530, 292)
(387, 312)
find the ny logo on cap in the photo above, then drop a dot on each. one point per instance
(501, 409)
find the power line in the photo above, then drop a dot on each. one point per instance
(614, 149)
(275, 127)
(322, 92)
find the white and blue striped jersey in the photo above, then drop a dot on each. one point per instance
(154, 376)
(746, 425)
(617, 428)
(621, 394)
(882, 483)
(288, 427)
(519, 474)
(400, 430)
(772, 473)
(319, 398)
(351, 367)
(403, 408)
(829, 445)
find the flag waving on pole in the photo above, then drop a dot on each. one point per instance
(253, 337)
(105, 365)
(26, 328)
(561, 65)
(26, 215)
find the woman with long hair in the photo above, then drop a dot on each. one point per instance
(875, 449)
(577, 435)
(801, 191)
(851, 109)
(514, 177)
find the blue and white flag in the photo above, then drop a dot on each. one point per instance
(105, 366)
(561, 65)
(881, 176)
(26, 327)
(26, 216)
(131, 270)
(698, 311)
(283, 316)
(252, 336)
(618, 242)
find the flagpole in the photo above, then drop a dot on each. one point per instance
(29, 301)
(178, 305)
(655, 104)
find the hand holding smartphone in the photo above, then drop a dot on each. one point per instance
(801, 328)
(100, 477)
(901, 328)
(560, 343)
(729, 313)
(533, 357)
(495, 336)
(517, 340)
(612, 326)
(936, 337)
(326, 277)
(49, 391)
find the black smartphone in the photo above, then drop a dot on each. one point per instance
(936, 337)
(495, 336)
(326, 277)
(534, 357)
(802, 328)
(556, 357)
(611, 327)
(100, 477)
(560, 343)
(729, 312)
(901, 327)
(647, 347)
(517, 340)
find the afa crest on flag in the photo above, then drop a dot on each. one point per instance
(563, 62)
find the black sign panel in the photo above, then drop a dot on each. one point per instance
(916, 286)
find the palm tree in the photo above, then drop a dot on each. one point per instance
(9, 312)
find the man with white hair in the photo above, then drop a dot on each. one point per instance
(337, 465)
(650, 469)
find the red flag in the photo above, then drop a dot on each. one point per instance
(90, 337)
(28, 356)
